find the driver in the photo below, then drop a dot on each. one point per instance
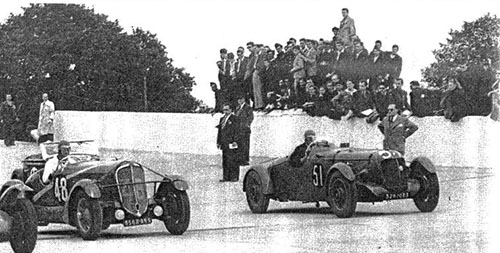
(300, 153)
(54, 162)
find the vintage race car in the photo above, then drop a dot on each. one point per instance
(342, 177)
(91, 193)
(18, 219)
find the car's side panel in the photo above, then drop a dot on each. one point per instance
(425, 162)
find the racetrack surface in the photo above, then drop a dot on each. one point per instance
(222, 222)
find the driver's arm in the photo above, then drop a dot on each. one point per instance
(43, 149)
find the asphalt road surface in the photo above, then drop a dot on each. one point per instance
(464, 220)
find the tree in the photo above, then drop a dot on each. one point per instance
(472, 56)
(86, 62)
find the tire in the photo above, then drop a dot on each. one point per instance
(87, 216)
(258, 202)
(427, 197)
(24, 228)
(176, 209)
(341, 195)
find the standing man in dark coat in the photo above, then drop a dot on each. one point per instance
(240, 68)
(245, 115)
(396, 129)
(8, 119)
(228, 142)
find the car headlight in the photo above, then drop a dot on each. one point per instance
(119, 214)
(158, 211)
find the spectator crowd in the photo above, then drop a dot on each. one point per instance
(339, 78)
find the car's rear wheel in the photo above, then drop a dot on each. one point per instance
(257, 200)
(177, 211)
(88, 216)
(342, 195)
(24, 228)
(427, 197)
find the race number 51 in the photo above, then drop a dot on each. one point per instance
(317, 175)
(61, 189)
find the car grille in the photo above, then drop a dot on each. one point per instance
(133, 194)
(395, 175)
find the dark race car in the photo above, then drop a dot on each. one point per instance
(18, 219)
(342, 177)
(91, 194)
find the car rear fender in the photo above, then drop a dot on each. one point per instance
(425, 162)
(267, 184)
(344, 169)
(12, 190)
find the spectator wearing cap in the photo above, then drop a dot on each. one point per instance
(300, 153)
(346, 28)
(224, 67)
(298, 69)
(245, 113)
(240, 67)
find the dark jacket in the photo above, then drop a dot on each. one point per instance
(228, 133)
(396, 132)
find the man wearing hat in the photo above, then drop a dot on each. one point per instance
(245, 114)
(396, 129)
(299, 155)
(54, 162)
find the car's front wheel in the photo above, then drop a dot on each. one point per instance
(24, 228)
(342, 195)
(177, 211)
(258, 202)
(427, 197)
(88, 216)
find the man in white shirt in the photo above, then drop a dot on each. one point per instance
(46, 120)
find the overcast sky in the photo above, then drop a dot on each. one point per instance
(194, 30)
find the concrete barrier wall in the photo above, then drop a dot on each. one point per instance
(474, 141)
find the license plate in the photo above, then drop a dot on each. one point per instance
(402, 195)
(136, 222)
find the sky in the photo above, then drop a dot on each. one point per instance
(195, 30)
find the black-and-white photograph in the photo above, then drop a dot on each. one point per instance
(249, 126)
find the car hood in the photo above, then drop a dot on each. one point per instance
(94, 167)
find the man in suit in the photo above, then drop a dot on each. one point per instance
(396, 129)
(240, 68)
(375, 66)
(8, 119)
(228, 142)
(393, 63)
(224, 67)
(347, 28)
(341, 60)
(400, 96)
(245, 114)
(358, 62)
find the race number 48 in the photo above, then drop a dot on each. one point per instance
(317, 175)
(61, 189)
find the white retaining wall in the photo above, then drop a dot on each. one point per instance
(474, 141)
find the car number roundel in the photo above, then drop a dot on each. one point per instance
(61, 189)
(317, 175)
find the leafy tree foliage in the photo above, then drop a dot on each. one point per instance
(86, 62)
(472, 56)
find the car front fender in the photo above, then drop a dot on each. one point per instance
(89, 186)
(267, 184)
(12, 190)
(344, 169)
(178, 182)
(425, 162)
